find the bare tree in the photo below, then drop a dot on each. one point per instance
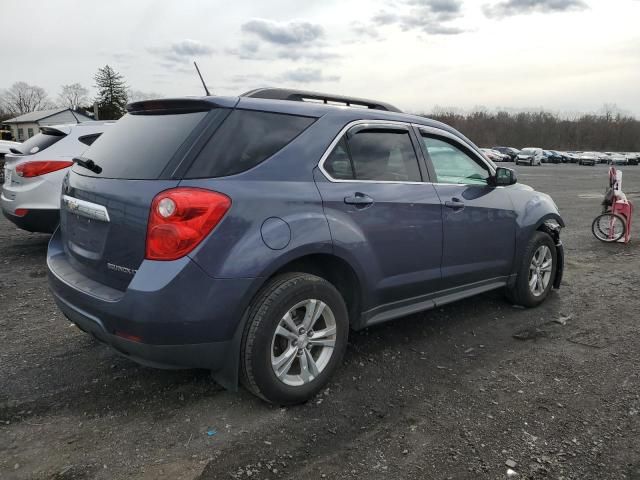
(612, 130)
(73, 96)
(23, 98)
(138, 95)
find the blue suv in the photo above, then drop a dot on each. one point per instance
(248, 235)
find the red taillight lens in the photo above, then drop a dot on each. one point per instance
(180, 219)
(20, 212)
(40, 167)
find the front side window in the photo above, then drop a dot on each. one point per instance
(376, 154)
(338, 163)
(452, 164)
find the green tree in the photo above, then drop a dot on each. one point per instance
(112, 93)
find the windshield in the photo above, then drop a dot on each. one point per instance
(528, 151)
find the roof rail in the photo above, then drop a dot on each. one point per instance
(315, 97)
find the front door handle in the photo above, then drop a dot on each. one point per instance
(359, 199)
(454, 203)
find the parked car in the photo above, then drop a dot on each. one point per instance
(588, 158)
(530, 156)
(603, 157)
(5, 146)
(574, 157)
(248, 235)
(34, 171)
(618, 159)
(633, 158)
(512, 152)
(494, 156)
(552, 156)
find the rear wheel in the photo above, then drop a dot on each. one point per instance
(609, 227)
(295, 338)
(536, 273)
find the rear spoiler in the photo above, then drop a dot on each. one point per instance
(171, 106)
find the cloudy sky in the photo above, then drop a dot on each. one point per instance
(560, 55)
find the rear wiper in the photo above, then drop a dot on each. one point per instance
(15, 151)
(88, 164)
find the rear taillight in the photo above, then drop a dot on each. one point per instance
(40, 167)
(180, 219)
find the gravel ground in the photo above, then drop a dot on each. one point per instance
(450, 393)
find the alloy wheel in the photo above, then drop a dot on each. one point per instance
(540, 270)
(303, 342)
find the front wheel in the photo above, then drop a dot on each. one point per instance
(295, 338)
(609, 227)
(536, 273)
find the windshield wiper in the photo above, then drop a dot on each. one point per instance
(88, 164)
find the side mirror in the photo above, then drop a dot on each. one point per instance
(504, 177)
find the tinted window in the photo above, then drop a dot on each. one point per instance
(245, 139)
(139, 146)
(39, 142)
(384, 155)
(452, 164)
(338, 164)
(89, 139)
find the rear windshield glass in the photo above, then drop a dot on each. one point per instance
(39, 142)
(139, 146)
(245, 139)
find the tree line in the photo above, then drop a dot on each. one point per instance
(111, 98)
(608, 131)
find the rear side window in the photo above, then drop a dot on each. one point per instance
(139, 146)
(377, 155)
(40, 142)
(245, 139)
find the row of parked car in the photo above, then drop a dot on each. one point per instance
(537, 156)
(248, 235)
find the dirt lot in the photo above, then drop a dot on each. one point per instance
(445, 394)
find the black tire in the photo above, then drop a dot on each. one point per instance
(520, 293)
(604, 236)
(266, 311)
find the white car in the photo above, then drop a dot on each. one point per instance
(618, 159)
(492, 155)
(530, 156)
(5, 147)
(34, 171)
(589, 158)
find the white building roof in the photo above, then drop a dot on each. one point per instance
(38, 115)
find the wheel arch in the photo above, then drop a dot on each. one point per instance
(333, 268)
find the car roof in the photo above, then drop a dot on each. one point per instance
(345, 113)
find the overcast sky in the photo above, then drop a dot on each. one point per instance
(560, 55)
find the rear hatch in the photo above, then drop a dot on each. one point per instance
(105, 208)
(19, 152)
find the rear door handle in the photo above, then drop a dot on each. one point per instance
(359, 199)
(454, 203)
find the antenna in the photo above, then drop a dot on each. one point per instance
(206, 90)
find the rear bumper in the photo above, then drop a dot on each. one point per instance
(200, 355)
(180, 316)
(44, 221)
